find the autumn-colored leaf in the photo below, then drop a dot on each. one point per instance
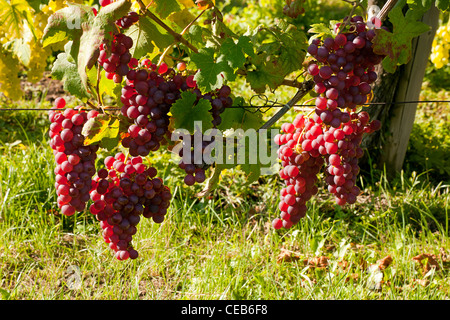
(422, 282)
(343, 264)
(287, 256)
(385, 262)
(204, 4)
(443, 255)
(353, 276)
(317, 262)
(427, 262)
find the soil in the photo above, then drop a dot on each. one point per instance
(46, 88)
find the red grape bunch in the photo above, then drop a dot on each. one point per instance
(294, 8)
(123, 191)
(147, 97)
(299, 172)
(128, 20)
(115, 56)
(195, 172)
(75, 162)
(343, 71)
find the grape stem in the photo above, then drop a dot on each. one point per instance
(97, 88)
(178, 37)
(191, 23)
(347, 21)
(298, 145)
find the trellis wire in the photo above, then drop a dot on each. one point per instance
(258, 108)
(274, 104)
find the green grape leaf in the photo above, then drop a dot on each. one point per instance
(281, 50)
(239, 118)
(221, 31)
(195, 35)
(320, 30)
(264, 74)
(235, 52)
(65, 24)
(65, 69)
(241, 123)
(109, 143)
(165, 7)
(211, 72)
(252, 172)
(417, 9)
(396, 46)
(147, 35)
(187, 110)
(443, 5)
(286, 48)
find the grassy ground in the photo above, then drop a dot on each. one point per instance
(222, 247)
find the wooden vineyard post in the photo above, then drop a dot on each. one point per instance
(408, 89)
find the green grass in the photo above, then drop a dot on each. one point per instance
(222, 247)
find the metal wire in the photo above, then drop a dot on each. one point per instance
(269, 104)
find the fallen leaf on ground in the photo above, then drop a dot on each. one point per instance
(353, 276)
(287, 256)
(343, 264)
(430, 262)
(317, 262)
(443, 256)
(422, 282)
(385, 262)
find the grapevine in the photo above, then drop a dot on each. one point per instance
(163, 78)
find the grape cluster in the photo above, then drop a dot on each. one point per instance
(440, 50)
(195, 172)
(343, 71)
(75, 162)
(294, 8)
(128, 20)
(299, 172)
(342, 169)
(122, 192)
(147, 97)
(114, 57)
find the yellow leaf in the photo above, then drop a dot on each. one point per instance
(187, 3)
(181, 18)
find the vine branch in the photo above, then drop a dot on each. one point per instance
(382, 15)
(306, 86)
